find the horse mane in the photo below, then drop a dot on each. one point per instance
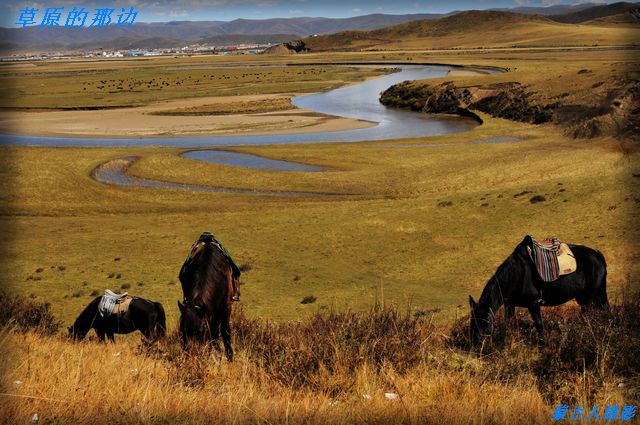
(83, 323)
(493, 294)
(211, 268)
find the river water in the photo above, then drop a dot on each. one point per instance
(358, 101)
(237, 159)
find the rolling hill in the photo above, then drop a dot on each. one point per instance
(596, 12)
(630, 18)
(556, 9)
(473, 29)
(520, 26)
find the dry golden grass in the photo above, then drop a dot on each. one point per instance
(333, 369)
(90, 383)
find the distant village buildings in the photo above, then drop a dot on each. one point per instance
(190, 50)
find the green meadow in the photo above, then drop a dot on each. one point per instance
(121, 83)
(415, 226)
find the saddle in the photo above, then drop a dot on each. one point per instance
(112, 303)
(551, 258)
(122, 307)
(208, 237)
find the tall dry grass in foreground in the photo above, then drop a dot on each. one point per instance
(334, 368)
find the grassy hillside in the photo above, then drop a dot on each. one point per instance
(585, 99)
(414, 231)
(596, 12)
(417, 234)
(629, 18)
(476, 29)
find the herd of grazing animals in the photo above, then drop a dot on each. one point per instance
(531, 277)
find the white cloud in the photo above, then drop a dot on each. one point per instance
(356, 9)
(295, 11)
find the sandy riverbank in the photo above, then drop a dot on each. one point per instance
(141, 121)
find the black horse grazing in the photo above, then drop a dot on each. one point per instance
(206, 278)
(517, 283)
(143, 315)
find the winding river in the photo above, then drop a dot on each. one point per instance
(358, 101)
(115, 172)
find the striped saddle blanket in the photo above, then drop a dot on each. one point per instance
(552, 258)
(112, 303)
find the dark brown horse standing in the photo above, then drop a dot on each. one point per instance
(516, 283)
(207, 285)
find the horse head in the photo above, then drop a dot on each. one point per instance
(482, 317)
(77, 331)
(192, 322)
(83, 323)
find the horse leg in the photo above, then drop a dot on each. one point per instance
(509, 312)
(149, 330)
(149, 333)
(601, 300)
(214, 330)
(537, 320)
(226, 336)
(100, 334)
(110, 336)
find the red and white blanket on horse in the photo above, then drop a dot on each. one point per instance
(552, 258)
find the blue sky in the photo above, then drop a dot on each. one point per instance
(225, 10)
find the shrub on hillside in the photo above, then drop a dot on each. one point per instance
(25, 314)
(299, 353)
(601, 346)
(594, 347)
(585, 354)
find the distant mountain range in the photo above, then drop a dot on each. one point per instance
(179, 33)
(174, 34)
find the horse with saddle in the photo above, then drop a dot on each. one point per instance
(545, 273)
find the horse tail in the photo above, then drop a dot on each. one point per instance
(161, 322)
(601, 299)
